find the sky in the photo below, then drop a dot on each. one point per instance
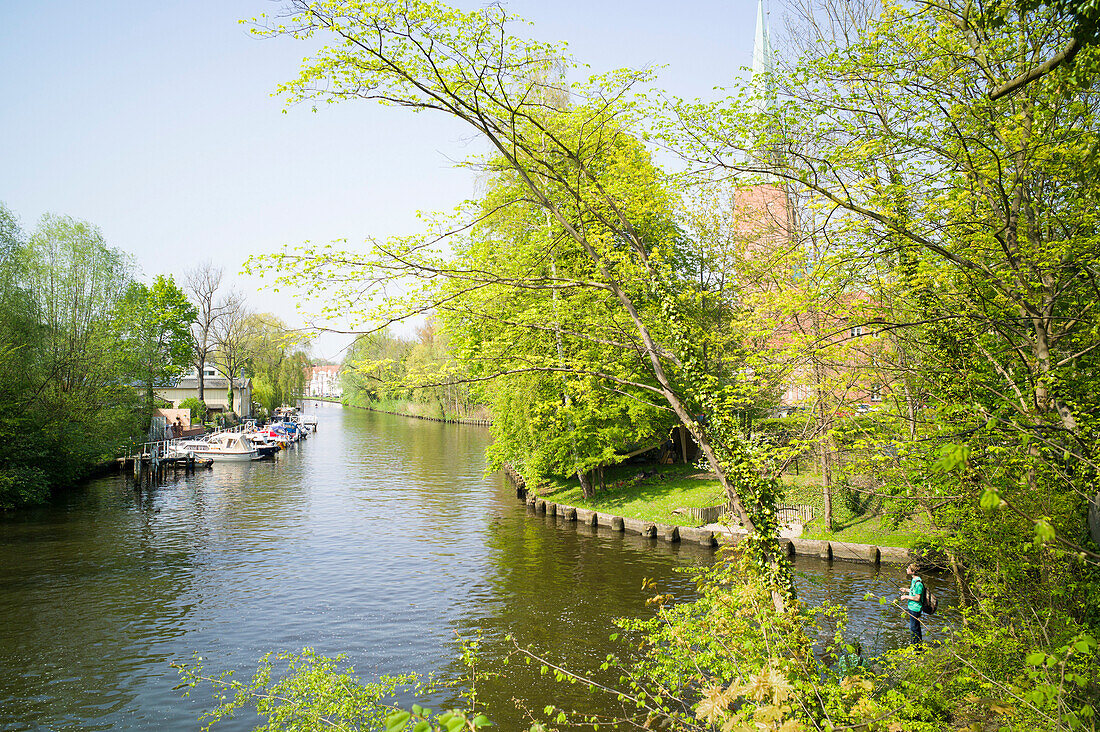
(155, 120)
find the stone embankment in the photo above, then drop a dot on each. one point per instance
(705, 536)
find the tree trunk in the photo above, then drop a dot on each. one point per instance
(824, 447)
(586, 485)
(960, 582)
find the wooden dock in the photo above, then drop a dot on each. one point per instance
(151, 460)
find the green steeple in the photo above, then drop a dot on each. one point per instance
(762, 61)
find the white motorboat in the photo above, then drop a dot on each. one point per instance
(225, 447)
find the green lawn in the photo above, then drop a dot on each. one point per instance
(653, 492)
(652, 498)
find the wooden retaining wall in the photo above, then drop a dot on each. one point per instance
(822, 549)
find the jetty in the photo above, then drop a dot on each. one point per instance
(152, 459)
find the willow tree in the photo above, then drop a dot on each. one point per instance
(429, 57)
(273, 354)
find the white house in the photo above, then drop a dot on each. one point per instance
(215, 391)
(324, 381)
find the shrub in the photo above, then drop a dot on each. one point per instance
(197, 407)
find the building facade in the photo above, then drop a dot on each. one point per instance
(215, 391)
(324, 381)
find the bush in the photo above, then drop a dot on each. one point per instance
(23, 485)
(197, 407)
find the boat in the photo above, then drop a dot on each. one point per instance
(265, 442)
(292, 430)
(224, 447)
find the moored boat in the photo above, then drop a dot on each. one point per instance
(225, 447)
(265, 442)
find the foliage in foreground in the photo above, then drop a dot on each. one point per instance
(729, 662)
(299, 691)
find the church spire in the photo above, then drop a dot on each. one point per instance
(762, 61)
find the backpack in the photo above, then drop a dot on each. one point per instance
(928, 601)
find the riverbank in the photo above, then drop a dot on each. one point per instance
(674, 496)
(714, 535)
(667, 501)
(380, 408)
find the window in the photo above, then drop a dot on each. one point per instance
(209, 370)
(876, 393)
(855, 331)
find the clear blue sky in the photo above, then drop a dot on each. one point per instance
(154, 120)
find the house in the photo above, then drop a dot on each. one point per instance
(324, 381)
(216, 391)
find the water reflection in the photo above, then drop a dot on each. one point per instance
(379, 537)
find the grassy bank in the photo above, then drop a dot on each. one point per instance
(432, 410)
(655, 492)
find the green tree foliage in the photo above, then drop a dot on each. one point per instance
(552, 360)
(22, 480)
(66, 403)
(573, 162)
(312, 692)
(419, 375)
(973, 223)
(276, 358)
(374, 371)
(154, 325)
(197, 408)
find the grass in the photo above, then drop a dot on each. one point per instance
(860, 520)
(653, 492)
(652, 497)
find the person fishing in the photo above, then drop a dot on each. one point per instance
(913, 605)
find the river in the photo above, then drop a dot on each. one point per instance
(379, 537)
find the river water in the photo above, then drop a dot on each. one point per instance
(379, 537)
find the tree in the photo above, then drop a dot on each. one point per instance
(22, 480)
(425, 56)
(1081, 17)
(275, 356)
(374, 370)
(64, 400)
(203, 283)
(74, 282)
(996, 254)
(973, 223)
(232, 333)
(11, 236)
(539, 352)
(155, 323)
